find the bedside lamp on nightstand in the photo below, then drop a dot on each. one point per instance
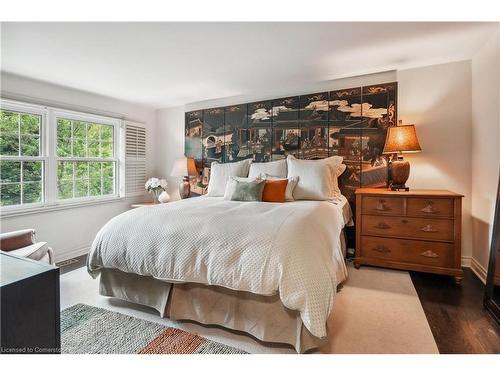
(401, 138)
(184, 167)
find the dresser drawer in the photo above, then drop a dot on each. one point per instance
(436, 254)
(430, 207)
(420, 228)
(383, 206)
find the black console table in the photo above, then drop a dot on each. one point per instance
(30, 310)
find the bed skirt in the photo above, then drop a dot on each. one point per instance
(235, 310)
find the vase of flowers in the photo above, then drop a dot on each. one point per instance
(155, 186)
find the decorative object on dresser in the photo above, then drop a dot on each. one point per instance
(401, 138)
(184, 167)
(418, 230)
(30, 309)
(492, 290)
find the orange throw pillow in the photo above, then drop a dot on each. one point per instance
(274, 191)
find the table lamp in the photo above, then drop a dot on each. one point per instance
(401, 138)
(184, 167)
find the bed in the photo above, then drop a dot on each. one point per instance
(270, 270)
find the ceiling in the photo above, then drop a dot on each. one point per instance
(167, 64)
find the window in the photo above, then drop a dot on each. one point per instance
(85, 159)
(51, 157)
(21, 164)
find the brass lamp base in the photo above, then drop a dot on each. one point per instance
(184, 188)
(400, 171)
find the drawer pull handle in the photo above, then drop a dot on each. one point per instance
(381, 206)
(382, 249)
(429, 209)
(429, 254)
(382, 225)
(429, 229)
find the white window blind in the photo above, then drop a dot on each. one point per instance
(135, 159)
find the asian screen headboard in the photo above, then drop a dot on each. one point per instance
(351, 123)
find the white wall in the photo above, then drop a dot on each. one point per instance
(436, 98)
(71, 231)
(306, 88)
(169, 144)
(485, 146)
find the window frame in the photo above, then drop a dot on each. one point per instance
(78, 116)
(43, 157)
(48, 155)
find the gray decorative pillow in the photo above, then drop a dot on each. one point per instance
(241, 189)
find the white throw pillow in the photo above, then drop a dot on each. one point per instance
(337, 167)
(316, 179)
(220, 173)
(272, 168)
(292, 182)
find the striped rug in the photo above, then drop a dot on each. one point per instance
(91, 330)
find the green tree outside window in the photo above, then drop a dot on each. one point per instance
(21, 181)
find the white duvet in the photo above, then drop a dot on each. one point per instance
(291, 249)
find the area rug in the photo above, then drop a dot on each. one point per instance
(91, 330)
(376, 311)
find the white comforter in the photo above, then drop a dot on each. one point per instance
(264, 248)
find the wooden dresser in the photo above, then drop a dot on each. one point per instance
(417, 230)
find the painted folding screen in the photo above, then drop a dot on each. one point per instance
(358, 122)
(349, 122)
(193, 148)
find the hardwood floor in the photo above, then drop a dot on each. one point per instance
(455, 313)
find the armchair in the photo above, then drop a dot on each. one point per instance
(23, 243)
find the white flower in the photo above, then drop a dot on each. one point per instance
(153, 184)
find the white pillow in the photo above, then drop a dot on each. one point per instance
(337, 167)
(272, 168)
(292, 182)
(341, 169)
(316, 179)
(220, 173)
(332, 160)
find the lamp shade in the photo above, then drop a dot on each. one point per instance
(184, 167)
(402, 138)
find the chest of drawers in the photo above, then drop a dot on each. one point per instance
(418, 230)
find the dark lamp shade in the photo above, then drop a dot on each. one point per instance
(401, 138)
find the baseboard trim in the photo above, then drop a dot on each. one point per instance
(479, 270)
(71, 253)
(466, 261)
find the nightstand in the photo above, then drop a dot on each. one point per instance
(417, 230)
